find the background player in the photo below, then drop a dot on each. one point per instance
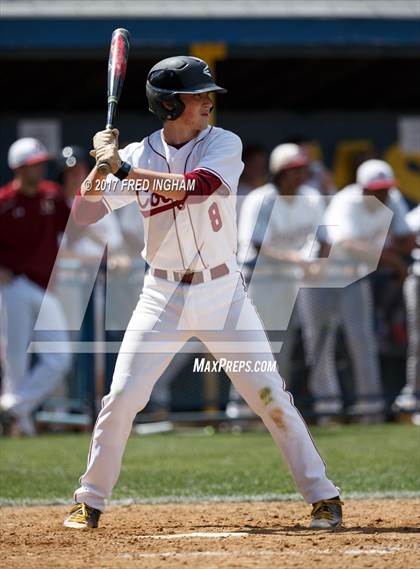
(193, 288)
(357, 226)
(408, 401)
(33, 215)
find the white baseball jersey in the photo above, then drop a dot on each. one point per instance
(348, 217)
(189, 235)
(285, 222)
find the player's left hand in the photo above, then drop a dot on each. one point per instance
(108, 154)
(105, 137)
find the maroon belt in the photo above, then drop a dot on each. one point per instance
(191, 277)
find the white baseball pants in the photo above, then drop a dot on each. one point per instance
(25, 388)
(352, 307)
(409, 398)
(167, 315)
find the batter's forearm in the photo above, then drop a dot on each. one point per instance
(154, 180)
(173, 186)
(85, 211)
(89, 186)
(173, 182)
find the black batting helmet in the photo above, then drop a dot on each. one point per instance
(173, 76)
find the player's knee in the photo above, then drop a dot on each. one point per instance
(134, 393)
(120, 410)
(127, 399)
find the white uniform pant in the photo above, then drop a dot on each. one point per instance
(324, 310)
(410, 393)
(275, 298)
(155, 319)
(24, 387)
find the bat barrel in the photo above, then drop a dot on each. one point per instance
(117, 65)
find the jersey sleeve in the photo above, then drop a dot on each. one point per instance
(223, 158)
(114, 194)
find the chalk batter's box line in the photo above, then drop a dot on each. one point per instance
(64, 500)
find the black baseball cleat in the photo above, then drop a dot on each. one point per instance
(327, 514)
(82, 516)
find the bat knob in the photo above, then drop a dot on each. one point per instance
(103, 168)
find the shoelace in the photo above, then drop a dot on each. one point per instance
(323, 510)
(80, 512)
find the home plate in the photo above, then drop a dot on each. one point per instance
(207, 535)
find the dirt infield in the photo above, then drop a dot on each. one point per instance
(379, 533)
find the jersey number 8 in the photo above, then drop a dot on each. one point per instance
(215, 218)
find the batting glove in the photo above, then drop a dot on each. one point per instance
(108, 154)
(105, 137)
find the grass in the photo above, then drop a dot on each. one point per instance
(383, 458)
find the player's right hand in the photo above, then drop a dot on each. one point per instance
(108, 154)
(105, 137)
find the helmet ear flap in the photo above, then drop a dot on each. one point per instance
(173, 108)
(156, 97)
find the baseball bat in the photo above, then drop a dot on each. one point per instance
(117, 66)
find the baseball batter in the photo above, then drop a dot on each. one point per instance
(193, 286)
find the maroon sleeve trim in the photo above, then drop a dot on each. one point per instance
(206, 169)
(205, 183)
